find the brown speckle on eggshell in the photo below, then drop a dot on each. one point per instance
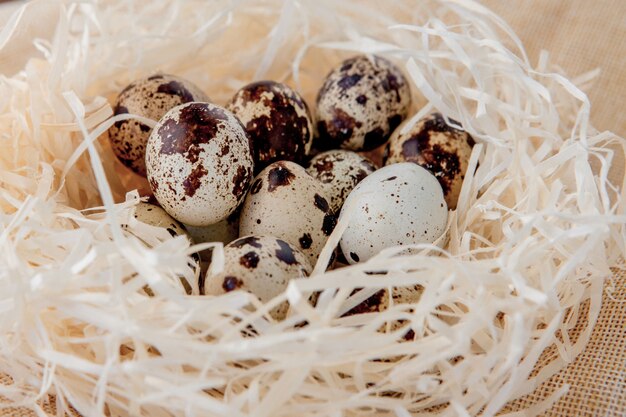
(288, 203)
(261, 265)
(277, 120)
(149, 97)
(199, 163)
(360, 104)
(438, 147)
(339, 172)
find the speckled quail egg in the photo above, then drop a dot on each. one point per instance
(286, 202)
(262, 265)
(199, 163)
(399, 204)
(277, 120)
(438, 147)
(339, 171)
(379, 301)
(149, 97)
(360, 103)
(153, 215)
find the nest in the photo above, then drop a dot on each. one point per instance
(538, 227)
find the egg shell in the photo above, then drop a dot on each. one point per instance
(277, 120)
(379, 301)
(376, 303)
(438, 147)
(399, 204)
(153, 215)
(199, 163)
(261, 265)
(149, 97)
(339, 172)
(360, 103)
(286, 202)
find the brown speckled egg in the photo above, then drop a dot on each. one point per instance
(438, 147)
(339, 171)
(286, 202)
(379, 301)
(376, 303)
(360, 103)
(153, 215)
(149, 97)
(277, 120)
(199, 163)
(261, 265)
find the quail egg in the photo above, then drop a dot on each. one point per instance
(153, 215)
(438, 147)
(399, 204)
(261, 265)
(149, 97)
(339, 172)
(286, 202)
(199, 163)
(360, 103)
(277, 120)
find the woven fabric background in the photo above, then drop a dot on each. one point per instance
(580, 35)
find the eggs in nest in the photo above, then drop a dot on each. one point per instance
(200, 160)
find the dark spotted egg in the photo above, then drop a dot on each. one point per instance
(277, 120)
(149, 97)
(286, 202)
(360, 103)
(339, 172)
(153, 215)
(438, 147)
(261, 265)
(199, 163)
(397, 205)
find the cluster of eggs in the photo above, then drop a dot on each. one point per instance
(250, 174)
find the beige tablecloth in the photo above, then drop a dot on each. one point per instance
(581, 35)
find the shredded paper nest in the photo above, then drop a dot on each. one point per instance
(538, 227)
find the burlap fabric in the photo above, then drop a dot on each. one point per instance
(580, 35)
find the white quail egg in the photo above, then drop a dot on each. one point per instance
(399, 204)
